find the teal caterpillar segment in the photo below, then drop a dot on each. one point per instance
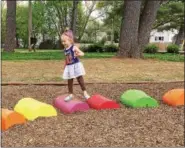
(137, 99)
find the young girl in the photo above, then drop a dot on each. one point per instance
(73, 67)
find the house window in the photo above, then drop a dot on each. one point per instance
(159, 38)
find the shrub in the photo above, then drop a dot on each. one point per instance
(48, 44)
(83, 48)
(58, 45)
(111, 48)
(87, 41)
(95, 48)
(103, 40)
(151, 48)
(172, 48)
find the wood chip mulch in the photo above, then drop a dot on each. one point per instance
(124, 127)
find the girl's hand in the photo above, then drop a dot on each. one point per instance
(78, 52)
(64, 65)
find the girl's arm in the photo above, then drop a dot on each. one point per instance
(78, 52)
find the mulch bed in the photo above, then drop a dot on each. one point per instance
(162, 126)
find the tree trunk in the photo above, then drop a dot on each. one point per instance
(24, 44)
(10, 40)
(112, 33)
(29, 25)
(129, 30)
(65, 16)
(147, 20)
(180, 36)
(43, 36)
(138, 17)
(74, 16)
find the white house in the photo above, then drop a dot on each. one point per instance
(162, 37)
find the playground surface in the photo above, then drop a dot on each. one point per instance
(161, 126)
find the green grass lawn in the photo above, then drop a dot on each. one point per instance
(21, 54)
(166, 57)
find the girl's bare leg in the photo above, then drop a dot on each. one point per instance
(70, 86)
(70, 89)
(82, 85)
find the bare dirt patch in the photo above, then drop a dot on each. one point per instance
(161, 126)
(97, 70)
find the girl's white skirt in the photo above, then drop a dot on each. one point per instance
(73, 71)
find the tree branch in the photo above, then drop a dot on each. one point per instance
(85, 24)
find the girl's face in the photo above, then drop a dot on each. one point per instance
(66, 41)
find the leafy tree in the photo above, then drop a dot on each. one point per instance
(89, 9)
(3, 22)
(93, 28)
(112, 17)
(22, 24)
(171, 16)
